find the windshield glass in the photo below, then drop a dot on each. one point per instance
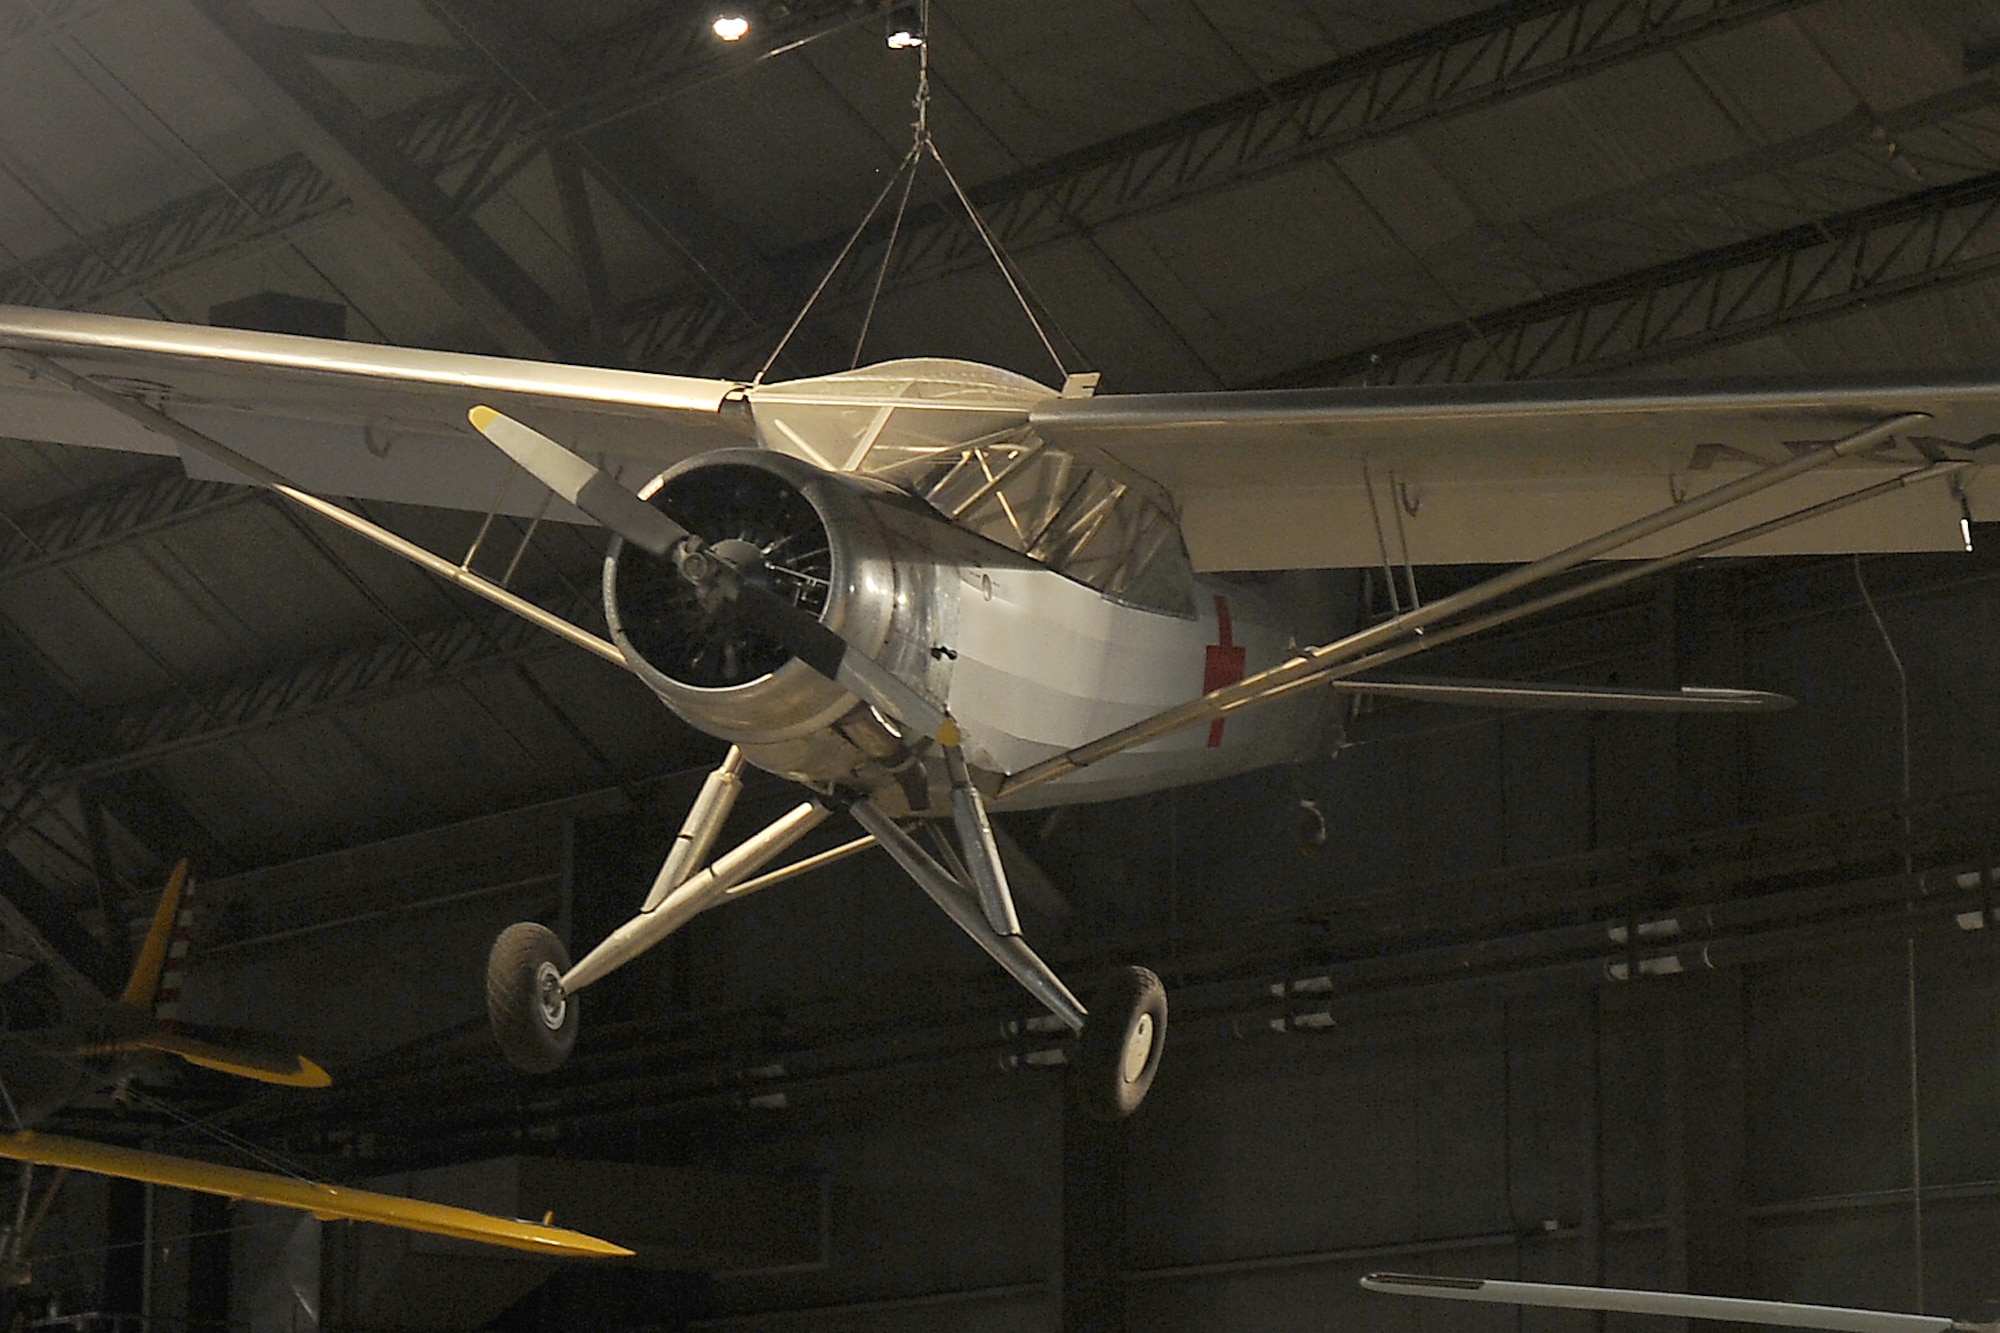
(1085, 519)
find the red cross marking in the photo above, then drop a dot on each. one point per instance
(1224, 664)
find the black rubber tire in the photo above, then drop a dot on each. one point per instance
(535, 1036)
(1129, 1008)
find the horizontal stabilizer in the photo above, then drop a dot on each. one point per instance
(1673, 1304)
(244, 1059)
(1593, 698)
(322, 1201)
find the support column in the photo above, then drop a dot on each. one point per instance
(1714, 1225)
(1091, 1298)
(208, 1263)
(125, 1249)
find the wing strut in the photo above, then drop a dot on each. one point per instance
(1617, 578)
(1315, 665)
(193, 440)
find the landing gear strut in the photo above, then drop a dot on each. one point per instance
(531, 986)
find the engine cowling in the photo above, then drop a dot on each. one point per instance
(872, 563)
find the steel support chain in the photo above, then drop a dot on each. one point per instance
(1489, 57)
(1922, 242)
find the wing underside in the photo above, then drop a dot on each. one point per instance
(341, 418)
(1499, 473)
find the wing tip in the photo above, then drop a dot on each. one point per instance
(1393, 1282)
(310, 1074)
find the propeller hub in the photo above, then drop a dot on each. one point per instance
(750, 529)
(745, 558)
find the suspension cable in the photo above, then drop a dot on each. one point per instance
(922, 145)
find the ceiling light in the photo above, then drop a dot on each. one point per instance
(731, 27)
(906, 28)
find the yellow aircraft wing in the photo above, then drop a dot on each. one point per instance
(323, 1201)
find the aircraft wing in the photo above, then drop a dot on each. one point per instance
(1499, 473)
(347, 418)
(323, 1201)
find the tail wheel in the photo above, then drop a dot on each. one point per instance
(1119, 1051)
(534, 1022)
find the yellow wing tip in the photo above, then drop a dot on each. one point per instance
(482, 417)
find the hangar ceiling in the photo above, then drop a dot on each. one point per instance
(1197, 194)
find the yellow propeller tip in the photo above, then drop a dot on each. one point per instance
(482, 417)
(947, 733)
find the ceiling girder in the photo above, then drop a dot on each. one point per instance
(1866, 157)
(529, 66)
(652, 57)
(272, 65)
(1924, 241)
(44, 19)
(108, 515)
(150, 730)
(37, 716)
(1486, 58)
(221, 222)
(35, 909)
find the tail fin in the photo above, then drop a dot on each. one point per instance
(155, 991)
(156, 978)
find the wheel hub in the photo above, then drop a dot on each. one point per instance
(1138, 1049)
(550, 1001)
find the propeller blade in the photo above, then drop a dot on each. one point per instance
(590, 489)
(1671, 1303)
(580, 482)
(842, 663)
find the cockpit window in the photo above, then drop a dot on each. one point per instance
(1109, 531)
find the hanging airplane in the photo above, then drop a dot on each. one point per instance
(1671, 1304)
(929, 589)
(80, 1042)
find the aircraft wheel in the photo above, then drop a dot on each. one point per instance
(534, 1022)
(1118, 1052)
